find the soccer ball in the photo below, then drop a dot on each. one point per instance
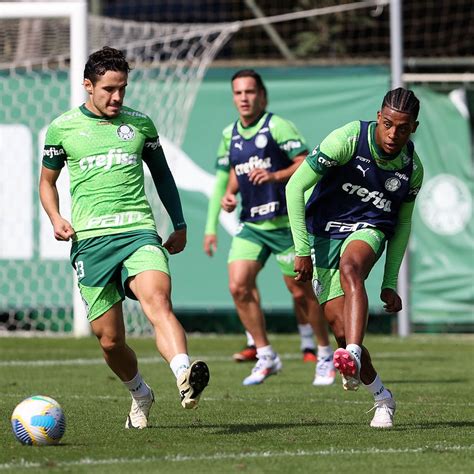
(39, 421)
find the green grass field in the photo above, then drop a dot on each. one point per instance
(285, 425)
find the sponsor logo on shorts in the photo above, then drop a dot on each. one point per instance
(317, 287)
(376, 197)
(113, 157)
(264, 209)
(286, 258)
(392, 184)
(346, 226)
(254, 162)
(125, 132)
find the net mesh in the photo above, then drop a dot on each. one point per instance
(168, 63)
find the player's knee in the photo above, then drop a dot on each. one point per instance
(110, 344)
(240, 292)
(155, 302)
(350, 274)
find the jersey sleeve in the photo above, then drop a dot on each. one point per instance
(287, 136)
(223, 162)
(336, 149)
(152, 140)
(416, 179)
(54, 155)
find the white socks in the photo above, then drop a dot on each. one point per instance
(265, 351)
(306, 335)
(324, 352)
(250, 341)
(137, 386)
(179, 364)
(355, 350)
(377, 389)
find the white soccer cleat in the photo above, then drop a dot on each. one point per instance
(325, 372)
(349, 367)
(264, 367)
(138, 416)
(384, 412)
(192, 382)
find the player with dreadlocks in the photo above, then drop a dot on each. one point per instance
(367, 176)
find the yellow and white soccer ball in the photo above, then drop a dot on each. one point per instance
(38, 421)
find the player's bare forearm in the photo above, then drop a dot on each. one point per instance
(50, 201)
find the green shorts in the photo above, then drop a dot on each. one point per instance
(103, 265)
(327, 256)
(255, 244)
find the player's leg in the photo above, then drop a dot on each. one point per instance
(148, 278)
(110, 331)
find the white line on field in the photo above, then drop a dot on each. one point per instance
(157, 359)
(252, 455)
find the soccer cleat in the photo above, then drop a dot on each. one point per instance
(384, 412)
(264, 367)
(349, 368)
(138, 416)
(192, 382)
(247, 354)
(325, 372)
(309, 355)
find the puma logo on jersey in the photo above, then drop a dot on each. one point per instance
(113, 157)
(239, 145)
(362, 169)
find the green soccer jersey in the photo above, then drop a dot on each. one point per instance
(104, 159)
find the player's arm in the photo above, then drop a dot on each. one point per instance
(229, 200)
(397, 245)
(49, 197)
(302, 180)
(165, 185)
(213, 211)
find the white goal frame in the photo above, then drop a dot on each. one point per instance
(76, 12)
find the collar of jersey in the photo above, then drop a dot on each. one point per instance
(250, 130)
(90, 114)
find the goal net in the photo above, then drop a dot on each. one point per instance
(169, 62)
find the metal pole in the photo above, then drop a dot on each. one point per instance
(396, 62)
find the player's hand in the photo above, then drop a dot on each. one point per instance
(210, 244)
(260, 176)
(176, 241)
(229, 202)
(393, 302)
(63, 230)
(303, 268)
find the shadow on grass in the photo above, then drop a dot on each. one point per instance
(433, 425)
(229, 429)
(434, 381)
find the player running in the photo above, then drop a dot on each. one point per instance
(258, 153)
(367, 176)
(116, 250)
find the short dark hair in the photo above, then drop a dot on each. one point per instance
(106, 59)
(402, 100)
(251, 73)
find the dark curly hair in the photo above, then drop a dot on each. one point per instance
(402, 100)
(106, 59)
